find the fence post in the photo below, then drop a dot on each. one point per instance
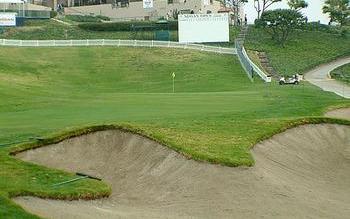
(135, 42)
(103, 42)
(168, 44)
(37, 43)
(87, 42)
(20, 43)
(119, 43)
(71, 42)
(152, 45)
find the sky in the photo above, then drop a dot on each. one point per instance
(313, 12)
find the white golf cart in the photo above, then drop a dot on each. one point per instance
(295, 80)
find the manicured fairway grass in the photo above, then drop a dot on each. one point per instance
(216, 114)
(342, 73)
(305, 49)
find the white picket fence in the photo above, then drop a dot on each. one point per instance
(105, 42)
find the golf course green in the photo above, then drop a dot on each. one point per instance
(215, 115)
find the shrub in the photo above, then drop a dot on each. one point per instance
(86, 18)
(53, 14)
(344, 32)
(280, 23)
(316, 26)
(126, 26)
(103, 18)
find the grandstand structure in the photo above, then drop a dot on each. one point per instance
(119, 10)
(133, 10)
(25, 9)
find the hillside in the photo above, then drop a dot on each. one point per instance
(342, 73)
(53, 30)
(304, 50)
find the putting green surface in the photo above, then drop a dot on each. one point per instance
(216, 114)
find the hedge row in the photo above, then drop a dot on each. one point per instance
(86, 18)
(127, 26)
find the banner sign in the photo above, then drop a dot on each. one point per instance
(7, 19)
(200, 28)
(147, 3)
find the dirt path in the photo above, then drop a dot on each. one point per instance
(320, 77)
(301, 173)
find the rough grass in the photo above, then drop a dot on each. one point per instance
(255, 58)
(305, 49)
(342, 73)
(216, 114)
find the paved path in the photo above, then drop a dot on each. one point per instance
(320, 77)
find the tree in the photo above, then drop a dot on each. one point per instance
(297, 4)
(261, 5)
(338, 10)
(234, 6)
(280, 23)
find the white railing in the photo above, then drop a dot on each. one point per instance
(256, 69)
(104, 42)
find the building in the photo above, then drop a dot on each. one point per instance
(132, 9)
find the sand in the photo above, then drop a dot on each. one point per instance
(301, 173)
(342, 113)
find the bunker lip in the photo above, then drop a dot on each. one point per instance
(150, 180)
(340, 113)
(62, 136)
(57, 138)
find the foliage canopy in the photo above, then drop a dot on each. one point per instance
(280, 23)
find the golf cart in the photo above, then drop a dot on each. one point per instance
(295, 79)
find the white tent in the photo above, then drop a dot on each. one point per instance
(18, 5)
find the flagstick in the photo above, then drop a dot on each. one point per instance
(173, 75)
(173, 85)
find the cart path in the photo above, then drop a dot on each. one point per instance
(320, 77)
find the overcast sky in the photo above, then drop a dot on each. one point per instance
(313, 12)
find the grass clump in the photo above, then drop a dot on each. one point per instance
(86, 18)
(342, 73)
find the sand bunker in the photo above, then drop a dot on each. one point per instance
(301, 173)
(342, 113)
